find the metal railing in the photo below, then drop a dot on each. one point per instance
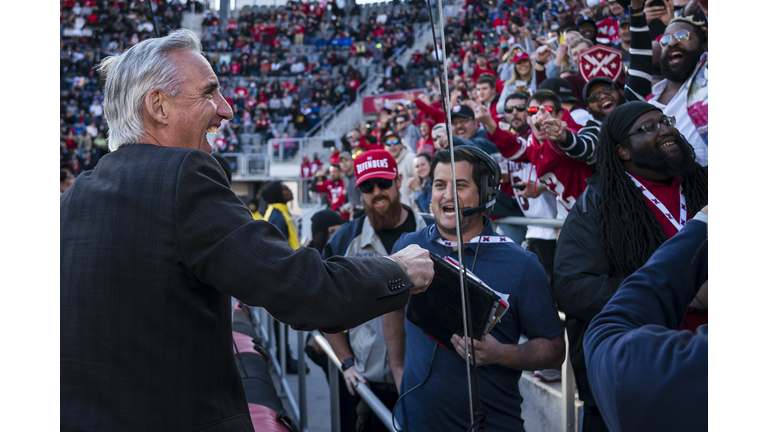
(381, 410)
(248, 166)
(320, 126)
(265, 327)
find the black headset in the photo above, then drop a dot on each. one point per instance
(489, 183)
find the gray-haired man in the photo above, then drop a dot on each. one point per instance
(154, 242)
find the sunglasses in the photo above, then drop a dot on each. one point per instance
(534, 110)
(367, 186)
(654, 125)
(511, 109)
(393, 142)
(516, 50)
(594, 97)
(680, 36)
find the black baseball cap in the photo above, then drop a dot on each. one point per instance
(594, 81)
(560, 87)
(462, 111)
(624, 20)
(581, 19)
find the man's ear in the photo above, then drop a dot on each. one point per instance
(560, 115)
(157, 105)
(623, 153)
(399, 180)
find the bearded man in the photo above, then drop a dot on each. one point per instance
(646, 187)
(683, 93)
(364, 358)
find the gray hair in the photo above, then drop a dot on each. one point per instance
(132, 75)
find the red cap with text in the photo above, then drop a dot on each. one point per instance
(375, 164)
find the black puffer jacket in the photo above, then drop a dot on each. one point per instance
(584, 279)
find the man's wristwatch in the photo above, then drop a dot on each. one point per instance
(348, 363)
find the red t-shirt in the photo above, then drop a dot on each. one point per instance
(669, 197)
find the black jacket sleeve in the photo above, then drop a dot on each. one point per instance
(223, 247)
(583, 281)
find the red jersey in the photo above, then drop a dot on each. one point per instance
(315, 165)
(564, 176)
(334, 160)
(306, 170)
(335, 190)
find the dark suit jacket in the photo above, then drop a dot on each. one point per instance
(153, 243)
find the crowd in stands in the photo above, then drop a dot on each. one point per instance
(620, 154)
(593, 112)
(282, 69)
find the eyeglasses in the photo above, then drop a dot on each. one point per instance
(400, 122)
(533, 110)
(367, 186)
(393, 142)
(594, 97)
(654, 125)
(680, 36)
(511, 109)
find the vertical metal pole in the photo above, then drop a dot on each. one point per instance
(334, 384)
(568, 386)
(302, 382)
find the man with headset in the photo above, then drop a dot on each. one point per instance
(433, 377)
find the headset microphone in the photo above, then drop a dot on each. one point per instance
(469, 211)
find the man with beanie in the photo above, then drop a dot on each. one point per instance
(646, 187)
(364, 357)
(602, 96)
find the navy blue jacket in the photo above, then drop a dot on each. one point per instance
(644, 374)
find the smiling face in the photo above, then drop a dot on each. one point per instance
(577, 50)
(661, 154)
(383, 207)
(463, 127)
(443, 205)
(199, 107)
(516, 118)
(606, 102)
(679, 59)
(523, 67)
(421, 164)
(588, 30)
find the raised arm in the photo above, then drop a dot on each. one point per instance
(639, 81)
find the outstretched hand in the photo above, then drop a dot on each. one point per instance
(417, 265)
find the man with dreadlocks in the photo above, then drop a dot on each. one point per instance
(646, 186)
(683, 93)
